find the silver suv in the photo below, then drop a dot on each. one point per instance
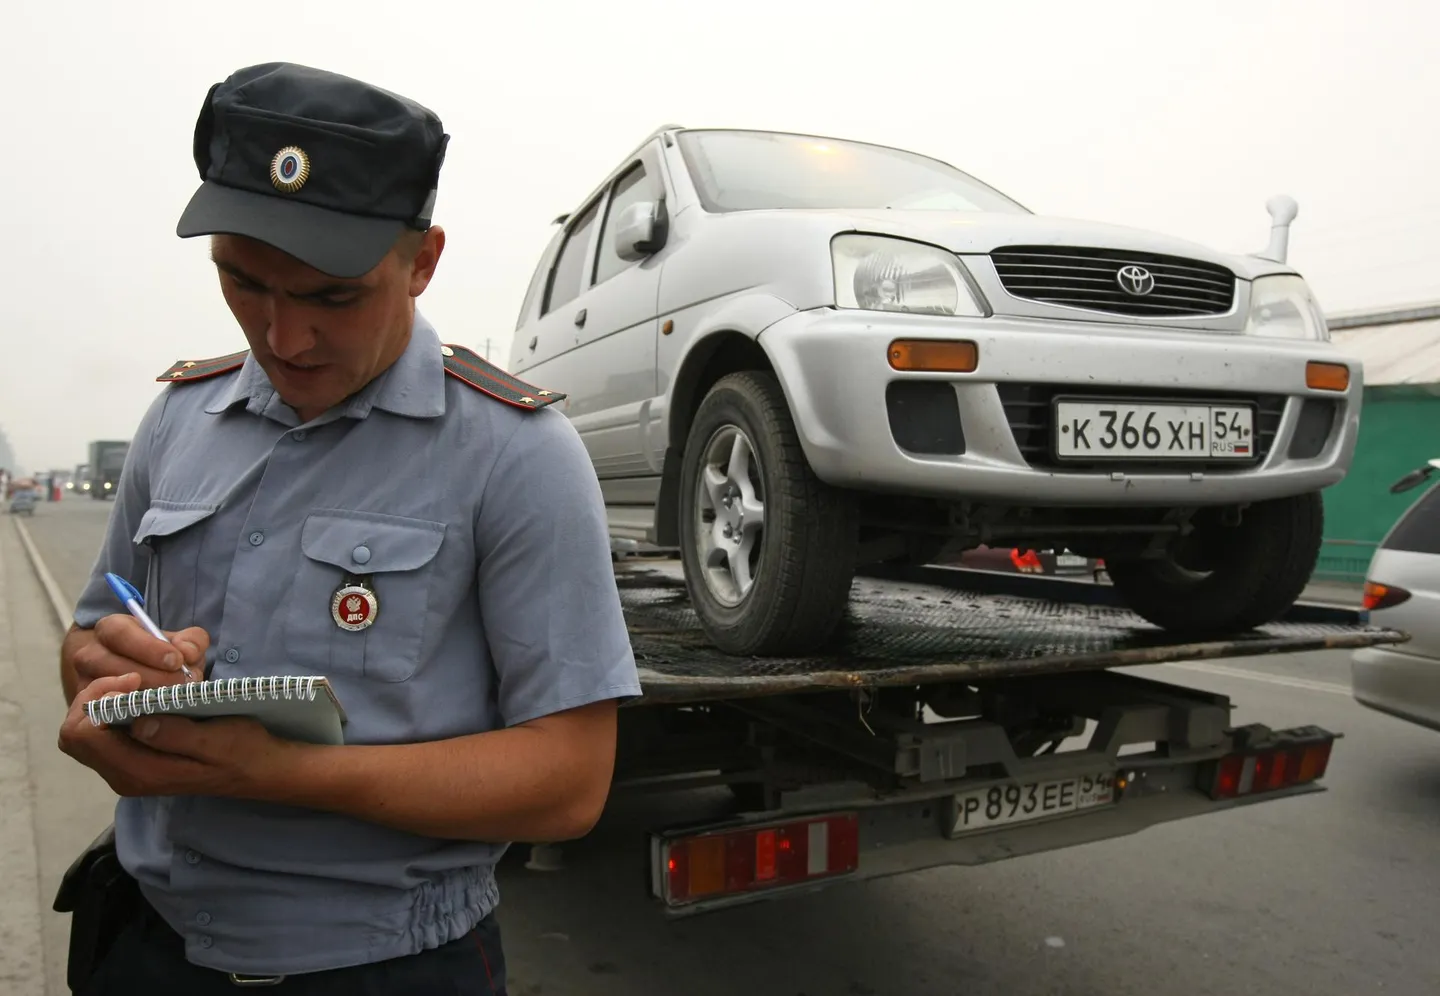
(790, 356)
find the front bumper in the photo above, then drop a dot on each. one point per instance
(832, 365)
(1403, 685)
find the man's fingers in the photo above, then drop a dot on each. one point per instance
(192, 644)
(171, 734)
(125, 637)
(121, 645)
(77, 725)
(128, 682)
(94, 662)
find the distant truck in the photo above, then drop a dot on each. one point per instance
(107, 459)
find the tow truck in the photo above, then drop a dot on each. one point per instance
(961, 717)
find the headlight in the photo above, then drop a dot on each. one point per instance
(884, 274)
(1284, 308)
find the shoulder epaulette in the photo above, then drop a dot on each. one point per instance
(471, 368)
(183, 371)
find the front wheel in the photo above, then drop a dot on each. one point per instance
(1228, 579)
(769, 550)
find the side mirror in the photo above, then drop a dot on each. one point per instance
(1415, 477)
(640, 230)
(1409, 481)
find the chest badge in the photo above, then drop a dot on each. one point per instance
(354, 605)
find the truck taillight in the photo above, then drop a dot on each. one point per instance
(715, 864)
(1267, 769)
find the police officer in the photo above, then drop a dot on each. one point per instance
(351, 498)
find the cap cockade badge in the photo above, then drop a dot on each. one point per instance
(354, 605)
(290, 169)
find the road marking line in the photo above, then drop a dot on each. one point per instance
(63, 615)
(1328, 687)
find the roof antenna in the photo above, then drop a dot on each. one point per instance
(1283, 209)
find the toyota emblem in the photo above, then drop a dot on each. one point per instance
(1135, 280)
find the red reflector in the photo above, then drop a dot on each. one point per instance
(731, 862)
(1382, 596)
(765, 855)
(1227, 777)
(1270, 770)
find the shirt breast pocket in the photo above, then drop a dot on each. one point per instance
(173, 534)
(394, 557)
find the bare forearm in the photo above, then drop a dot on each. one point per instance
(520, 784)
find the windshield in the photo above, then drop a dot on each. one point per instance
(750, 170)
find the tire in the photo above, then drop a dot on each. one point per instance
(801, 561)
(1254, 571)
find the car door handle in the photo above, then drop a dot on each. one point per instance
(580, 318)
(533, 340)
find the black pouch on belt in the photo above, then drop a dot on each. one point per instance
(101, 898)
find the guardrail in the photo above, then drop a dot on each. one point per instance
(1344, 561)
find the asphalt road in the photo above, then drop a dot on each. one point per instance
(1329, 893)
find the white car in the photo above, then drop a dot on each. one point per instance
(1402, 592)
(790, 356)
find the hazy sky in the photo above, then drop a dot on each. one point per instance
(1182, 118)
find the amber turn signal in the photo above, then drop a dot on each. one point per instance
(1327, 376)
(934, 355)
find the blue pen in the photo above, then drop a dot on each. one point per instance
(127, 593)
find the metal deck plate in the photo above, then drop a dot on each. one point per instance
(898, 633)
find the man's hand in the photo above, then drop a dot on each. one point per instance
(170, 755)
(120, 645)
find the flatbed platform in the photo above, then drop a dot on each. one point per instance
(947, 626)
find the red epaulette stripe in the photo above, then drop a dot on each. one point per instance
(187, 371)
(510, 390)
(513, 383)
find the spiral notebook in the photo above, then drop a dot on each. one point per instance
(294, 707)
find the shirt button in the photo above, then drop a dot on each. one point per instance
(192, 857)
(232, 655)
(361, 554)
(299, 435)
(256, 538)
(202, 918)
(206, 940)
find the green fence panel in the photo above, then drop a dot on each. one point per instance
(1399, 431)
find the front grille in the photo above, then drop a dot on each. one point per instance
(1028, 409)
(1090, 278)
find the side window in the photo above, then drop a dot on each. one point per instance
(1418, 530)
(537, 281)
(632, 187)
(565, 282)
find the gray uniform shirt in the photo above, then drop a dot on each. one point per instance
(483, 533)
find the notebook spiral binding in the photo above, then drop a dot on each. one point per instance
(122, 706)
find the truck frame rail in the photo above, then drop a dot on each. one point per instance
(933, 625)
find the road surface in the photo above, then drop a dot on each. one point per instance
(1333, 893)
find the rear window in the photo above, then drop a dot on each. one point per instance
(1418, 530)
